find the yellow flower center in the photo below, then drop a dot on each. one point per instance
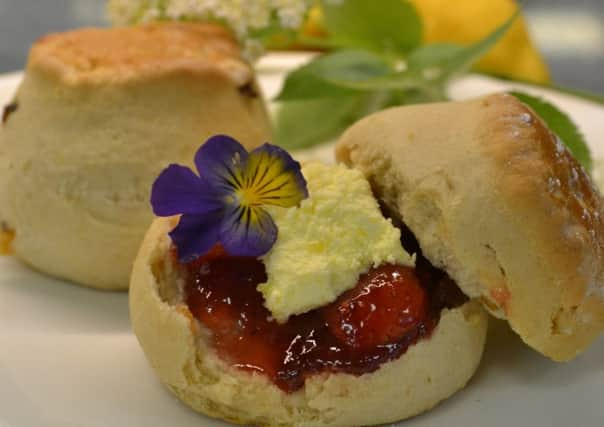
(248, 197)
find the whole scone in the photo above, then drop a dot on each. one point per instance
(180, 352)
(99, 113)
(496, 200)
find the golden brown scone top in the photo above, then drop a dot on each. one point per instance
(555, 175)
(113, 55)
(542, 175)
(497, 200)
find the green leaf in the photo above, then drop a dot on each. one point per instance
(429, 68)
(392, 81)
(399, 82)
(562, 125)
(435, 54)
(443, 61)
(313, 80)
(327, 95)
(303, 124)
(383, 26)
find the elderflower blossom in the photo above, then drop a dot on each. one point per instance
(244, 17)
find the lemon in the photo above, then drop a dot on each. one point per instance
(468, 21)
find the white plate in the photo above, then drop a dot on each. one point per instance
(68, 357)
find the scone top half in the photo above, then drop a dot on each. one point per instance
(496, 200)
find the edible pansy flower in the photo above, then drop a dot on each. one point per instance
(223, 204)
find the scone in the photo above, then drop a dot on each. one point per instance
(180, 350)
(496, 200)
(338, 321)
(98, 115)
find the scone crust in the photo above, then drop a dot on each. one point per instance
(495, 199)
(174, 344)
(123, 54)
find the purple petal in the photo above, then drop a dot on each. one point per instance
(220, 163)
(247, 231)
(177, 190)
(195, 235)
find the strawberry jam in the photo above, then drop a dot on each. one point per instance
(390, 309)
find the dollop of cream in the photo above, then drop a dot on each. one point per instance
(325, 244)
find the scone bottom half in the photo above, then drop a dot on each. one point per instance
(180, 349)
(395, 345)
(495, 199)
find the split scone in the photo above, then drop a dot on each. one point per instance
(352, 315)
(99, 113)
